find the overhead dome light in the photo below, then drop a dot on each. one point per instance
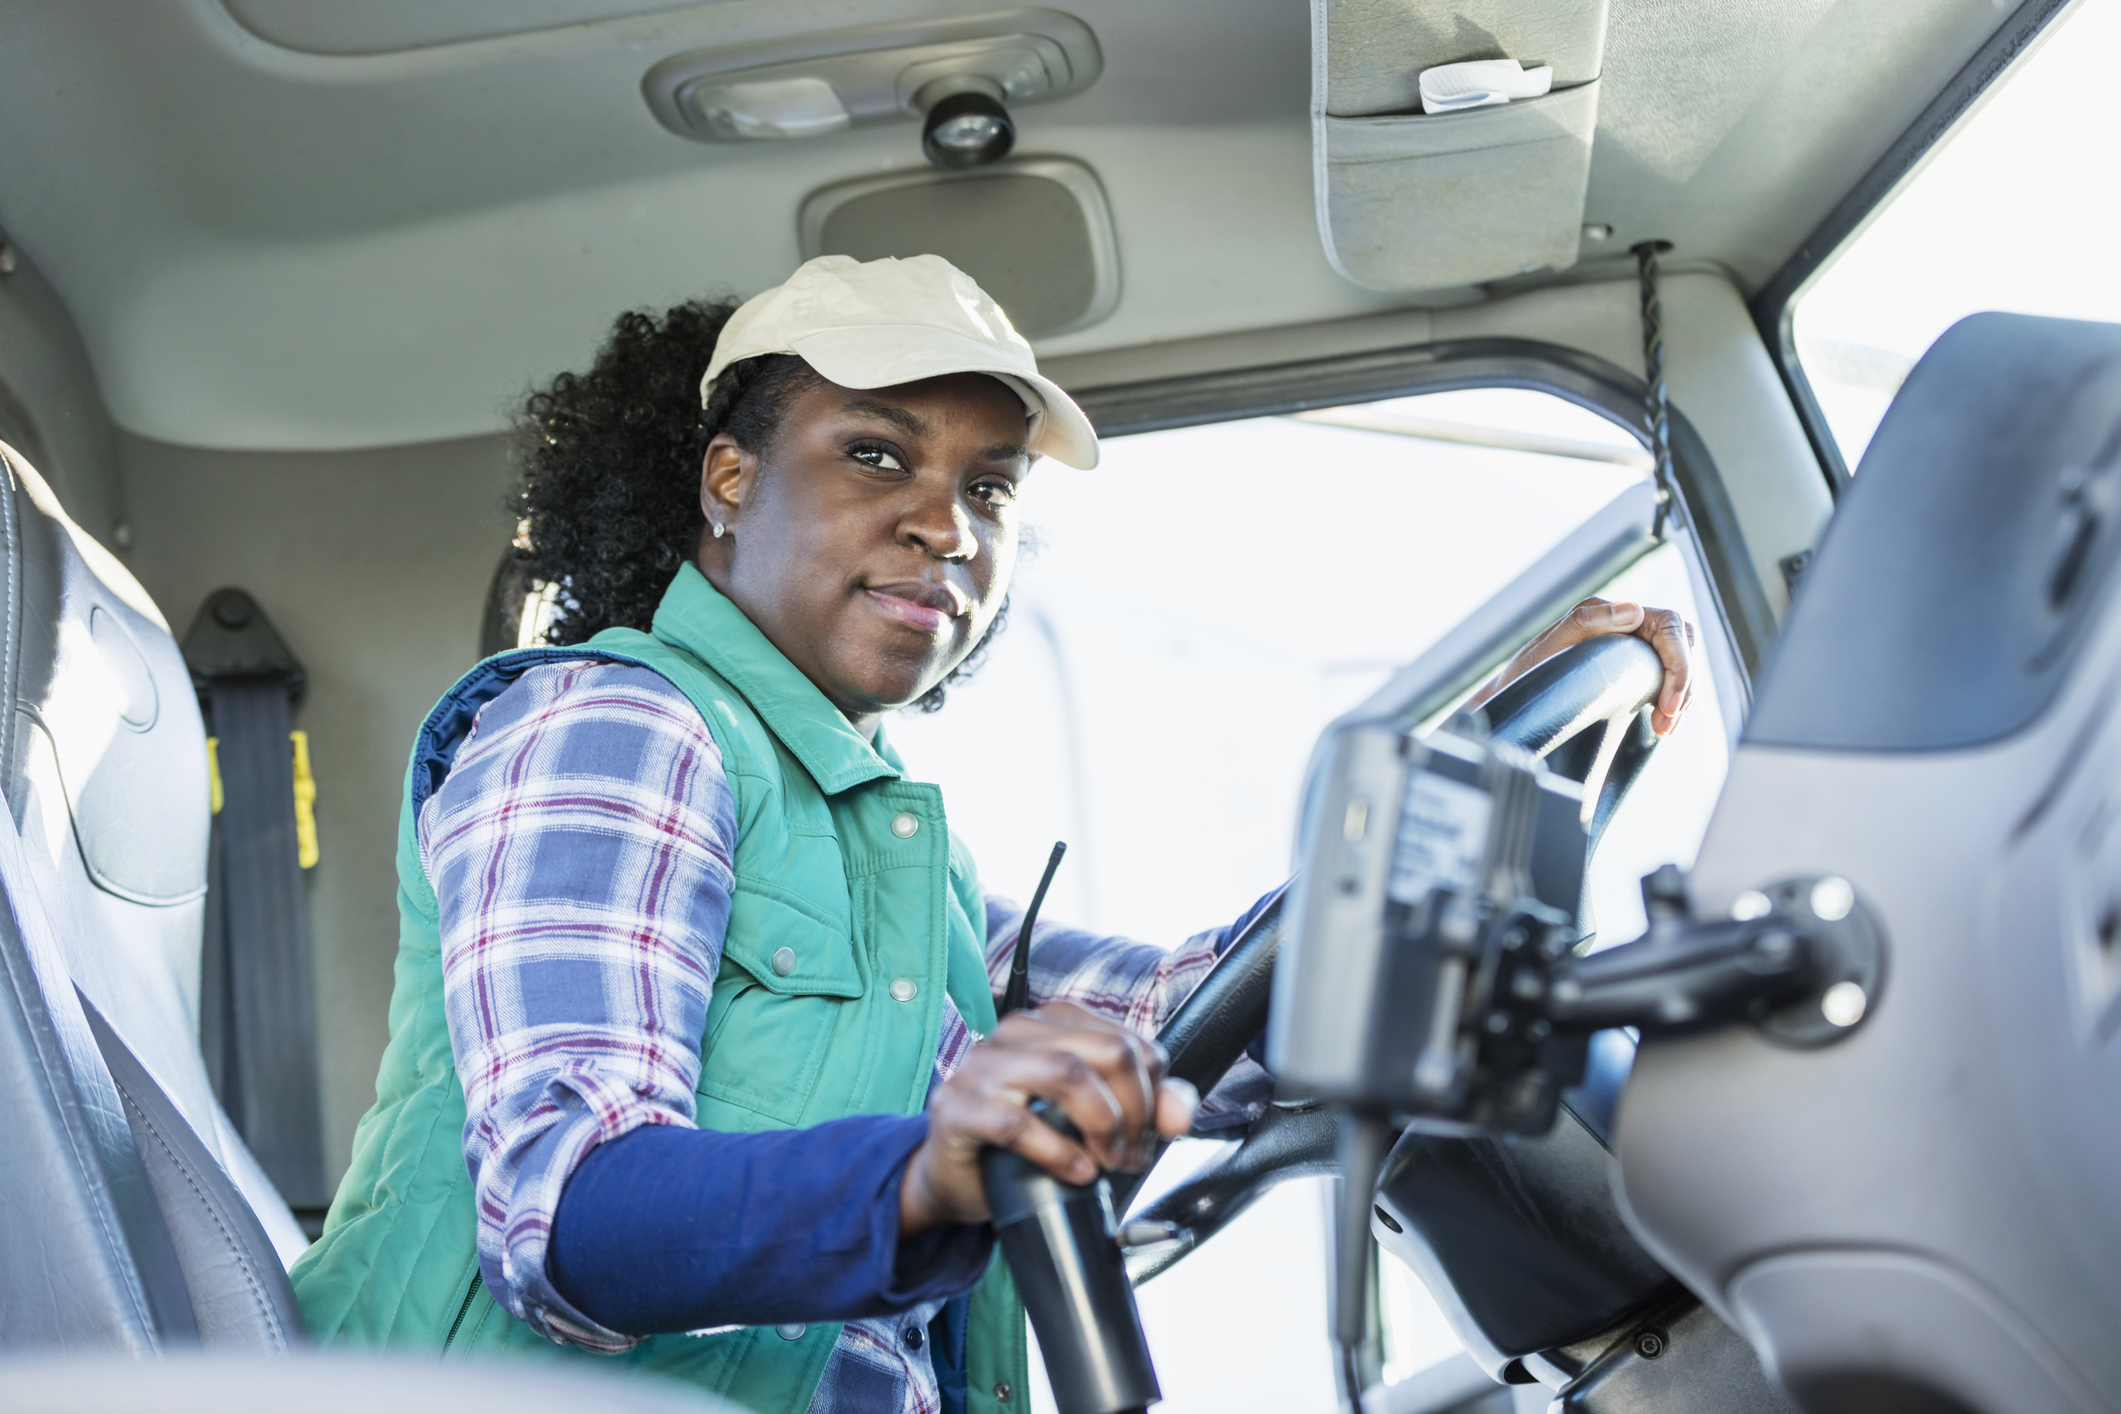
(966, 125)
(795, 107)
(816, 83)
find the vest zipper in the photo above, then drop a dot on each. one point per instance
(462, 1311)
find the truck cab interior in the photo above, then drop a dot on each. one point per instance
(1810, 1110)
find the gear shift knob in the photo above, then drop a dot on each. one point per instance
(1062, 1243)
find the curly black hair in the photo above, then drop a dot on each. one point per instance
(609, 501)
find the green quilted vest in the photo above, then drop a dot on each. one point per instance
(839, 860)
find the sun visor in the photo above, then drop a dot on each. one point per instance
(1415, 200)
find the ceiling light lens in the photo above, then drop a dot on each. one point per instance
(772, 108)
(967, 130)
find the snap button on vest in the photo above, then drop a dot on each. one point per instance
(784, 960)
(903, 990)
(904, 826)
(790, 1332)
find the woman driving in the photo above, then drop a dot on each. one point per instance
(694, 1044)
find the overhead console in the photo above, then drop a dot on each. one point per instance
(1036, 232)
(821, 82)
(1412, 198)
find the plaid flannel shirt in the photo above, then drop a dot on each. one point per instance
(580, 853)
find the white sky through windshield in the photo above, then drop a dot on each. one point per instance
(2016, 212)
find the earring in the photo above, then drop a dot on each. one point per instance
(718, 531)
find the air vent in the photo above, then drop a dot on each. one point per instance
(1036, 233)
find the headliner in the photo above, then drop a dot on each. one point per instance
(319, 227)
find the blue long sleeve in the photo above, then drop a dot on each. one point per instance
(672, 1229)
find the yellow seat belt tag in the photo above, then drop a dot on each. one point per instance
(305, 802)
(213, 771)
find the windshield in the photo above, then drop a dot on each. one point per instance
(2007, 214)
(1155, 700)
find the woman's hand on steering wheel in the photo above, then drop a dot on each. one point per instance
(1107, 1079)
(1663, 629)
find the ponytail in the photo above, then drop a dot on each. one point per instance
(609, 502)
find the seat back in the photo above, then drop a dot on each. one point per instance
(1921, 1215)
(103, 764)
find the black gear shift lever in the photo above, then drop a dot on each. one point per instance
(1062, 1242)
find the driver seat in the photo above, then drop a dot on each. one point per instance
(132, 1215)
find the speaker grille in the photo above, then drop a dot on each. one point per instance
(1037, 235)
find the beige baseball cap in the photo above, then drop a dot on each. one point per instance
(878, 323)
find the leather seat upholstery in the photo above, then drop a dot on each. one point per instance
(176, 1230)
(238, 1292)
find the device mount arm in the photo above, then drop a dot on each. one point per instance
(1803, 959)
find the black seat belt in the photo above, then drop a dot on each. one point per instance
(257, 1003)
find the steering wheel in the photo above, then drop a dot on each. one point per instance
(1585, 712)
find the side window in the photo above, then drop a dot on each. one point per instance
(1191, 616)
(2004, 215)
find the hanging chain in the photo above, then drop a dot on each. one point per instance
(1656, 403)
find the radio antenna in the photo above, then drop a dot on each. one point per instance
(1018, 992)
